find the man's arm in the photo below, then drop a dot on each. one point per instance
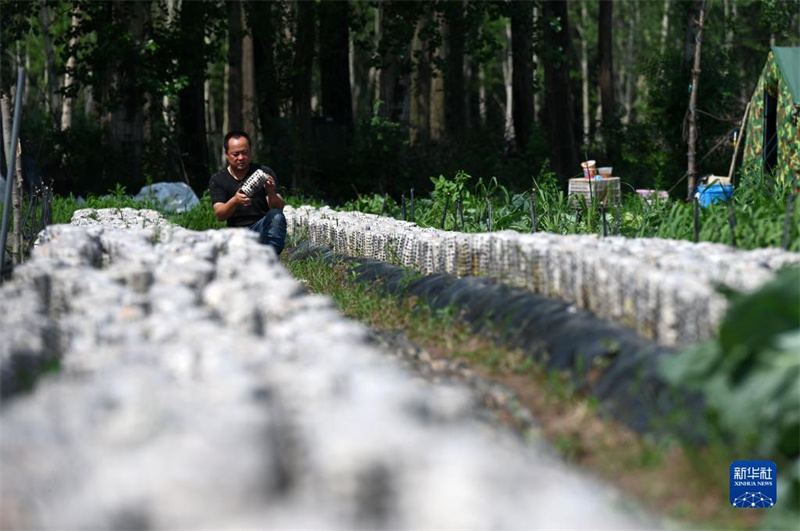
(225, 210)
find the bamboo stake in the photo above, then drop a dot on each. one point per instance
(738, 142)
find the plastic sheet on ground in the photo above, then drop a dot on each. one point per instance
(607, 360)
(172, 197)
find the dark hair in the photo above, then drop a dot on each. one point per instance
(235, 134)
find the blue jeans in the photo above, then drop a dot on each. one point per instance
(271, 230)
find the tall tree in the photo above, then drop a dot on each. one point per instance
(630, 74)
(50, 79)
(191, 102)
(249, 116)
(664, 28)
(421, 80)
(437, 99)
(121, 92)
(522, 71)
(691, 170)
(455, 98)
(334, 37)
(585, 111)
(233, 72)
(305, 36)
(558, 93)
(605, 52)
(69, 98)
(262, 24)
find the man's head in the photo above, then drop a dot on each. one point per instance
(237, 150)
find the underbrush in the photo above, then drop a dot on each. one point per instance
(750, 378)
(754, 218)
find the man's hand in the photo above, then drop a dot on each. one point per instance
(225, 210)
(240, 199)
(270, 185)
(274, 199)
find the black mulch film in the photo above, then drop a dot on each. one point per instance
(604, 359)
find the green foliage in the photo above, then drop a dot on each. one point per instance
(758, 208)
(201, 217)
(750, 377)
(375, 157)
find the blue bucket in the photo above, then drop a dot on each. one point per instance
(714, 193)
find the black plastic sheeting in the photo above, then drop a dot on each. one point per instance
(604, 359)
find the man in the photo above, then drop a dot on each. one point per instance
(262, 213)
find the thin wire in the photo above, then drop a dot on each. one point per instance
(717, 117)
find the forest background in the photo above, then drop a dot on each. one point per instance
(351, 97)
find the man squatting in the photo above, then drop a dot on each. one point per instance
(262, 213)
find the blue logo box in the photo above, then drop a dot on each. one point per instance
(754, 484)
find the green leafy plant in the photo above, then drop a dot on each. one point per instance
(757, 210)
(750, 378)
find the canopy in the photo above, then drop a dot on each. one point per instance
(789, 64)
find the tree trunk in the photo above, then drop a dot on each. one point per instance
(5, 111)
(301, 88)
(605, 51)
(173, 8)
(522, 73)
(537, 104)
(249, 116)
(16, 207)
(191, 104)
(122, 100)
(508, 67)
(334, 38)
(266, 78)
(664, 28)
(692, 28)
(629, 60)
(726, 7)
(558, 94)
(211, 119)
(233, 98)
(390, 90)
(454, 83)
(586, 112)
(69, 101)
(692, 154)
(27, 90)
(375, 73)
(482, 94)
(421, 83)
(437, 97)
(50, 79)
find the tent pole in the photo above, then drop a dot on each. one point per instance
(738, 142)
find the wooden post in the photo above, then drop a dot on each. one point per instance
(738, 143)
(691, 155)
(16, 208)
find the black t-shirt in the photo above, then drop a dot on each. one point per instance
(223, 186)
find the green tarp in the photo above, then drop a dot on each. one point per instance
(789, 63)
